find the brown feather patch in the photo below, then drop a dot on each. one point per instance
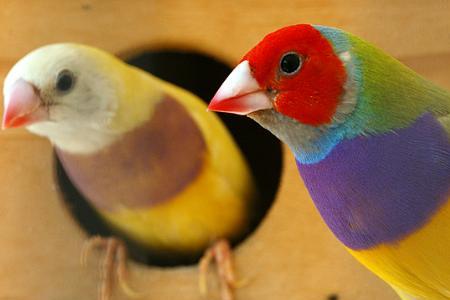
(147, 166)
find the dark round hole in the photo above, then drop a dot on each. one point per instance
(333, 297)
(201, 75)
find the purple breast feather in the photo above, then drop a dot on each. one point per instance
(379, 189)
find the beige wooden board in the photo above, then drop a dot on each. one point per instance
(292, 255)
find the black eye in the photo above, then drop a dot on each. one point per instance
(65, 81)
(290, 63)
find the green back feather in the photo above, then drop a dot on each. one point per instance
(392, 95)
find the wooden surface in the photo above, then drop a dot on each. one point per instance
(292, 255)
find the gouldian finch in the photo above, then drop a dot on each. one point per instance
(146, 154)
(371, 142)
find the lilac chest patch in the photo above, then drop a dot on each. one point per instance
(379, 189)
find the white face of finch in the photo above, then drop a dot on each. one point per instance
(59, 91)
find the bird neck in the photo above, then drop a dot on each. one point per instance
(387, 94)
(390, 95)
(380, 95)
(139, 94)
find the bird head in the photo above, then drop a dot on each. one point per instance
(294, 84)
(65, 92)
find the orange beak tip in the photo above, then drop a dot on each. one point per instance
(240, 93)
(23, 106)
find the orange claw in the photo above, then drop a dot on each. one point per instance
(114, 261)
(221, 253)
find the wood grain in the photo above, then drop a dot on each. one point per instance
(292, 255)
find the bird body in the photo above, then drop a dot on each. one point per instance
(371, 141)
(145, 153)
(169, 185)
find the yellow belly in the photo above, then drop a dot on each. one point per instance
(205, 211)
(419, 264)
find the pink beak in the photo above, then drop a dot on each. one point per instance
(22, 106)
(240, 93)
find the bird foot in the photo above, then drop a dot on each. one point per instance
(114, 261)
(221, 253)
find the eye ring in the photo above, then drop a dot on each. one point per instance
(65, 81)
(290, 63)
